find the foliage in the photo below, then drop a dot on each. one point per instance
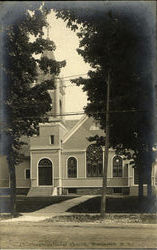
(26, 103)
(120, 43)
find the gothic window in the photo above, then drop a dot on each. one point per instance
(72, 167)
(117, 166)
(94, 161)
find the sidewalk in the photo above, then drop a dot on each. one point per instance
(50, 211)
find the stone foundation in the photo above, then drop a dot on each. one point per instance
(96, 191)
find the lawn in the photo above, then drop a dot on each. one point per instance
(30, 204)
(117, 205)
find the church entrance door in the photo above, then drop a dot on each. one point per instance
(45, 172)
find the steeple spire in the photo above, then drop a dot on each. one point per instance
(48, 53)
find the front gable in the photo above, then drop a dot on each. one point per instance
(77, 138)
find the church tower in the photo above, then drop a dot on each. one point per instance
(46, 148)
(58, 101)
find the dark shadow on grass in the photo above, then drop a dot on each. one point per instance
(117, 205)
(30, 204)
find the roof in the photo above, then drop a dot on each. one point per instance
(69, 124)
(75, 128)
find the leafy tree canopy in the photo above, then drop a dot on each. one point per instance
(24, 103)
(118, 40)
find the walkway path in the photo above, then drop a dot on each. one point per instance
(52, 210)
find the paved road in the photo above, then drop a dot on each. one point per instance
(43, 235)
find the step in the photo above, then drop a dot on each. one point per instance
(42, 191)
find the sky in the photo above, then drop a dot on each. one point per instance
(66, 43)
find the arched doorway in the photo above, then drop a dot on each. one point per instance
(45, 172)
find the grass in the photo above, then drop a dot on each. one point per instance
(117, 205)
(31, 204)
(114, 204)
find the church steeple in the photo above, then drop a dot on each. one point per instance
(57, 95)
(58, 101)
(48, 53)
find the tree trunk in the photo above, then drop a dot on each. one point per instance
(104, 188)
(12, 176)
(149, 184)
(140, 186)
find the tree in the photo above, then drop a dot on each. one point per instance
(119, 43)
(24, 103)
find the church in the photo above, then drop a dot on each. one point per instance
(61, 160)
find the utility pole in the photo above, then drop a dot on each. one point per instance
(104, 187)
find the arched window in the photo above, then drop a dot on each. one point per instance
(45, 172)
(72, 167)
(94, 161)
(117, 166)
